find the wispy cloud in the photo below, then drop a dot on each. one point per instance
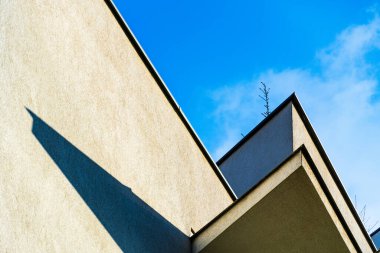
(339, 96)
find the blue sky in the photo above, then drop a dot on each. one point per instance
(213, 55)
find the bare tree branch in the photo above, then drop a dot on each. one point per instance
(363, 217)
(265, 97)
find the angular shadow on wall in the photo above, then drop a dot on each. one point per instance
(133, 224)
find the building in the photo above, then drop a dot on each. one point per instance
(288, 188)
(376, 237)
(96, 155)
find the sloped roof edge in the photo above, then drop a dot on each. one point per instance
(136, 45)
(325, 189)
(294, 100)
(331, 169)
(246, 194)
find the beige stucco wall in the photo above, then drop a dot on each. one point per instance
(71, 64)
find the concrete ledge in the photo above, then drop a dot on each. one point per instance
(302, 216)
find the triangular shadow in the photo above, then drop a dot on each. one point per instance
(133, 225)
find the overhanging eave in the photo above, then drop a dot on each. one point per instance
(290, 210)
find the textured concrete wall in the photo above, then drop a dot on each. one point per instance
(101, 162)
(259, 155)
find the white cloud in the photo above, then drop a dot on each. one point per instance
(339, 99)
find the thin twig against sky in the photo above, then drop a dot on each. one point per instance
(265, 97)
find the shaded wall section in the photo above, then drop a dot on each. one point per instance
(133, 224)
(260, 154)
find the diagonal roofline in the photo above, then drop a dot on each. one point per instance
(297, 105)
(303, 150)
(293, 154)
(331, 169)
(152, 70)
